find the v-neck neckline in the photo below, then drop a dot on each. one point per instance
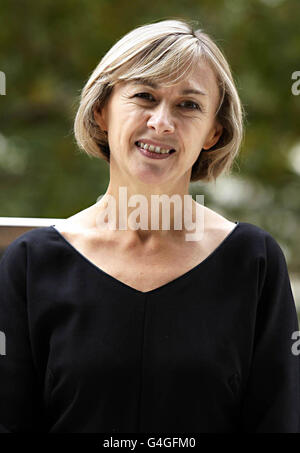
(159, 288)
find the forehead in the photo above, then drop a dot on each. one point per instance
(200, 80)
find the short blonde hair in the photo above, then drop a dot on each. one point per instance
(164, 51)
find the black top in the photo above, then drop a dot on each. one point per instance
(209, 352)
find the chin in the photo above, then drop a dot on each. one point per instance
(149, 177)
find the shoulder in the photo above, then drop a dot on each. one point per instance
(254, 244)
(248, 234)
(18, 250)
(250, 239)
(261, 237)
(259, 255)
(31, 236)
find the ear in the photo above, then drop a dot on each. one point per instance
(214, 136)
(100, 117)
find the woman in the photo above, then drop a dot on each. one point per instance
(132, 329)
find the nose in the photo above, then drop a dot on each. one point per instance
(161, 120)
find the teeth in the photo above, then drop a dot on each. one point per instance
(153, 148)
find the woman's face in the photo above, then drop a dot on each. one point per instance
(136, 112)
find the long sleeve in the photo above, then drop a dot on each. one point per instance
(20, 407)
(271, 401)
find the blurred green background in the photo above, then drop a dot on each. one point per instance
(48, 49)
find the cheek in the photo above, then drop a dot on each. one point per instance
(193, 146)
(130, 120)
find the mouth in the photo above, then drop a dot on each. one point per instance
(154, 152)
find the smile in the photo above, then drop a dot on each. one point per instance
(154, 152)
(156, 149)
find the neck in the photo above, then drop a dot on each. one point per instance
(157, 214)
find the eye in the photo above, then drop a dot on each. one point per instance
(146, 97)
(193, 103)
(142, 95)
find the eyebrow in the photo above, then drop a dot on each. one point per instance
(155, 86)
